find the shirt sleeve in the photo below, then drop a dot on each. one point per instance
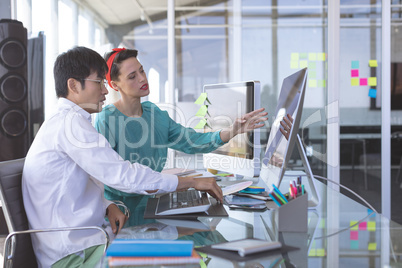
(188, 140)
(92, 152)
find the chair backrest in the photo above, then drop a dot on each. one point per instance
(14, 211)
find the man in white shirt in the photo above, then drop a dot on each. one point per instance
(69, 162)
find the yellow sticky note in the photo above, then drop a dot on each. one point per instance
(303, 64)
(294, 56)
(294, 64)
(354, 81)
(312, 56)
(372, 81)
(372, 246)
(321, 56)
(312, 253)
(201, 98)
(202, 111)
(201, 124)
(312, 83)
(373, 63)
(355, 227)
(320, 252)
(371, 226)
(322, 224)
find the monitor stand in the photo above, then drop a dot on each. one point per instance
(314, 199)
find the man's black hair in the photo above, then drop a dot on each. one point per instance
(77, 63)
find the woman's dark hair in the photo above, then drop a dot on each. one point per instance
(120, 57)
(77, 63)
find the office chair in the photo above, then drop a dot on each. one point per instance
(18, 250)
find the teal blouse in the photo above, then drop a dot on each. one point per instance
(145, 140)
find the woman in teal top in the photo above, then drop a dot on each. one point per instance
(142, 133)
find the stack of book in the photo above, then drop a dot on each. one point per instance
(141, 252)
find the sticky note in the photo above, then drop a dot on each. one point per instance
(322, 83)
(371, 226)
(353, 225)
(202, 111)
(320, 252)
(201, 99)
(354, 81)
(373, 63)
(372, 94)
(303, 55)
(322, 224)
(312, 74)
(354, 235)
(294, 56)
(321, 56)
(312, 65)
(370, 212)
(363, 226)
(303, 64)
(312, 56)
(354, 73)
(354, 244)
(312, 253)
(363, 81)
(372, 81)
(312, 83)
(201, 124)
(355, 64)
(372, 246)
(294, 64)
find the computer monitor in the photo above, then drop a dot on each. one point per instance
(228, 101)
(279, 149)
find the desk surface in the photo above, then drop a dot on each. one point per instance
(341, 233)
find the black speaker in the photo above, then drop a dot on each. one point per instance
(14, 134)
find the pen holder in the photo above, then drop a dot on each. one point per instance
(292, 217)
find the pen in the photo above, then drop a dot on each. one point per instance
(190, 176)
(302, 188)
(279, 193)
(274, 199)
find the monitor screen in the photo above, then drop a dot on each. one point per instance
(229, 101)
(279, 148)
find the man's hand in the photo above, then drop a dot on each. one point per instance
(246, 123)
(116, 217)
(286, 124)
(202, 184)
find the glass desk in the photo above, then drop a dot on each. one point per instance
(341, 233)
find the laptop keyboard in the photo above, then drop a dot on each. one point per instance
(190, 201)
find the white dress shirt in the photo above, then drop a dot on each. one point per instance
(63, 177)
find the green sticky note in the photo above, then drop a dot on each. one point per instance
(354, 81)
(372, 246)
(312, 253)
(312, 74)
(353, 225)
(312, 65)
(201, 99)
(373, 63)
(372, 81)
(312, 83)
(322, 224)
(303, 64)
(201, 124)
(294, 56)
(354, 244)
(312, 56)
(321, 56)
(294, 64)
(371, 226)
(202, 111)
(303, 55)
(355, 64)
(322, 83)
(320, 252)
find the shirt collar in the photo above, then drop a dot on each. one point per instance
(65, 104)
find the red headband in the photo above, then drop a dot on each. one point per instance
(110, 63)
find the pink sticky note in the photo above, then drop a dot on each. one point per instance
(354, 235)
(355, 73)
(363, 226)
(363, 81)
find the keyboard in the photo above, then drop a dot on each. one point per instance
(190, 201)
